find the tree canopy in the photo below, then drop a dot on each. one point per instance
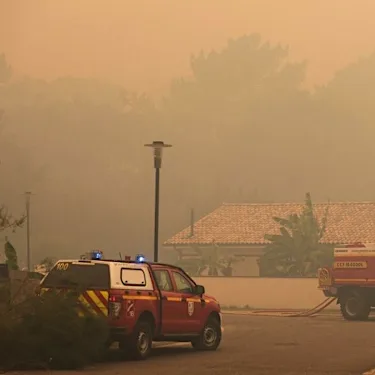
(241, 104)
(78, 144)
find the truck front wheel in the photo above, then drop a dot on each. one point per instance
(354, 305)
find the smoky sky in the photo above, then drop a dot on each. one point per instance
(74, 143)
(143, 44)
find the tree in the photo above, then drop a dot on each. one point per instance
(7, 221)
(242, 109)
(104, 127)
(344, 108)
(11, 256)
(297, 250)
(47, 263)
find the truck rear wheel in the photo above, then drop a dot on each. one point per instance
(138, 346)
(210, 337)
(354, 305)
(141, 343)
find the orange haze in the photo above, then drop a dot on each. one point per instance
(142, 44)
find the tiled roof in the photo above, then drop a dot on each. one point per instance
(246, 224)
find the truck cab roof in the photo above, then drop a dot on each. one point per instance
(107, 273)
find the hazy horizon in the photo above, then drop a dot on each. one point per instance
(143, 45)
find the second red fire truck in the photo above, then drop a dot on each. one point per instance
(351, 279)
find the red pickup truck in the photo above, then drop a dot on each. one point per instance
(142, 302)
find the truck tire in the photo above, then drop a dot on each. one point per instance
(141, 342)
(210, 337)
(138, 345)
(354, 305)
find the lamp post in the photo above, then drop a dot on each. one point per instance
(158, 153)
(28, 196)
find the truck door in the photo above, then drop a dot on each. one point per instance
(189, 307)
(169, 304)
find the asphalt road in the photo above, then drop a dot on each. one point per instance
(264, 345)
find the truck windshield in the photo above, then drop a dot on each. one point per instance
(84, 275)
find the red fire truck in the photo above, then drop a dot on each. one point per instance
(351, 279)
(142, 302)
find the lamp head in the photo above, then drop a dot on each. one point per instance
(158, 151)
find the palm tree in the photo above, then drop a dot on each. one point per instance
(297, 250)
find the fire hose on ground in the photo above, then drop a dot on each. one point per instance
(292, 313)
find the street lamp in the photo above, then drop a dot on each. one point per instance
(28, 196)
(158, 153)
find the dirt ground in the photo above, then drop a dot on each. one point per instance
(262, 346)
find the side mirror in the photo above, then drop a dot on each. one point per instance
(199, 290)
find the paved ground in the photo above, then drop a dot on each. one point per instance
(265, 345)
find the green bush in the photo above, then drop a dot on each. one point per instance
(46, 332)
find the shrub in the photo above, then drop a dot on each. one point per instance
(46, 332)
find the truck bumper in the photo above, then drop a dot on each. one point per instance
(221, 320)
(329, 291)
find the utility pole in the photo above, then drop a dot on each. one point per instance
(28, 196)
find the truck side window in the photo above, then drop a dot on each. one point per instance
(182, 284)
(163, 280)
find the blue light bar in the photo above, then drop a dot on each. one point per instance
(140, 258)
(96, 255)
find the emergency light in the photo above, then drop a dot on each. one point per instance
(96, 255)
(140, 258)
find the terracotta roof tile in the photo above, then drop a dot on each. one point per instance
(246, 224)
